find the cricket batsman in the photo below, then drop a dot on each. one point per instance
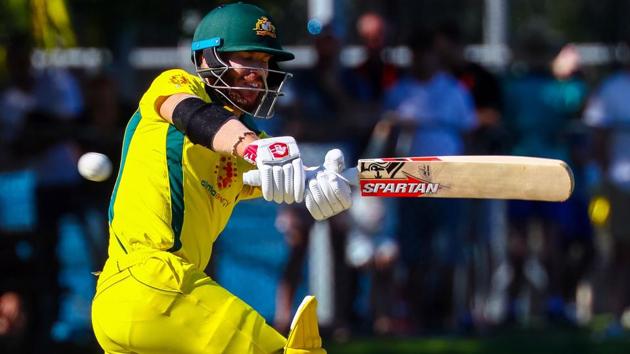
(183, 157)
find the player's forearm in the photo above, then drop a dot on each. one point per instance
(209, 125)
(233, 137)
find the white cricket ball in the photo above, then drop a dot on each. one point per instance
(95, 166)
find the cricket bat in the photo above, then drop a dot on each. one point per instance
(481, 177)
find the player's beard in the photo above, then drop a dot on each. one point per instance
(246, 99)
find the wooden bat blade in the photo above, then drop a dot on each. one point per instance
(485, 177)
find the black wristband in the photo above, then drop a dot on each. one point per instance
(199, 120)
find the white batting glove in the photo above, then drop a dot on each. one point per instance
(280, 166)
(327, 192)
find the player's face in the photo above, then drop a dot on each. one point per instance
(248, 69)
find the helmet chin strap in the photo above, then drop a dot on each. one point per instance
(213, 76)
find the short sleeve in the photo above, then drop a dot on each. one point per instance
(167, 84)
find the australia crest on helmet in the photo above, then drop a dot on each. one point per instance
(264, 27)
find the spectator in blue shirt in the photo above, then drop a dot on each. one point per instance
(434, 112)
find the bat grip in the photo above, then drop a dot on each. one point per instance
(252, 178)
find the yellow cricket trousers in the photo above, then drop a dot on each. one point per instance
(153, 302)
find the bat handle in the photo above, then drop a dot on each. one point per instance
(252, 178)
(351, 175)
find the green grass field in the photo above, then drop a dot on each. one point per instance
(517, 342)
(547, 341)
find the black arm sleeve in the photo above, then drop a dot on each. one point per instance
(199, 120)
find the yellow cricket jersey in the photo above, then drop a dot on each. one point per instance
(171, 194)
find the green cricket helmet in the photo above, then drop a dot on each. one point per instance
(240, 27)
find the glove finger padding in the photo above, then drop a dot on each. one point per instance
(289, 195)
(340, 189)
(312, 207)
(320, 198)
(278, 184)
(299, 180)
(281, 170)
(328, 193)
(266, 182)
(334, 161)
(314, 192)
(324, 180)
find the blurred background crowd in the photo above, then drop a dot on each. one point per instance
(377, 79)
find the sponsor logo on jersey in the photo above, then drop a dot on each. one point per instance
(409, 187)
(212, 192)
(264, 27)
(178, 80)
(226, 172)
(279, 150)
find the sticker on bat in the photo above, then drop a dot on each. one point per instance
(410, 187)
(389, 168)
